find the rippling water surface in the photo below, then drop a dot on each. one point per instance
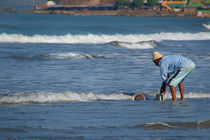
(73, 77)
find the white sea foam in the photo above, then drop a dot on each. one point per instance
(94, 38)
(138, 45)
(22, 98)
(59, 97)
(207, 26)
(176, 125)
(158, 124)
(189, 95)
(72, 56)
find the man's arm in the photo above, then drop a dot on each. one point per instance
(164, 71)
(163, 88)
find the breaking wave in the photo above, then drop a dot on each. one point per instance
(97, 39)
(59, 97)
(175, 125)
(138, 45)
(207, 26)
(69, 55)
(189, 95)
(24, 98)
(73, 56)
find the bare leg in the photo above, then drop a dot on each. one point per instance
(173, 93)
(181, 89)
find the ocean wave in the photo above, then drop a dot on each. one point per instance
(175, 125)
(24, 98)
(207, 26)
(190, 95)
(138, 45)
(71, 55)
(59, 97)
(100, 39)
(155, 126)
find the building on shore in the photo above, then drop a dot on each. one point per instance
(80, 5)
(200, 8)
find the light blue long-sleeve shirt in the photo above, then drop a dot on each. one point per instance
(171, 63)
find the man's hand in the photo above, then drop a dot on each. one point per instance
(163, 88)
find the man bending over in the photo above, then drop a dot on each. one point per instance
(173, 70)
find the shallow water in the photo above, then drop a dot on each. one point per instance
(107, 120)
(73, 77)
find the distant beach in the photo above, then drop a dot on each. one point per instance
(118, 13)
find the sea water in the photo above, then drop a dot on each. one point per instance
(73, 77)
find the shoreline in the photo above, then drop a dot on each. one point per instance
(121, 12)
(146, 13)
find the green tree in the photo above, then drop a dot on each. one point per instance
(124, 3)
(137, 3)
(152, 2)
